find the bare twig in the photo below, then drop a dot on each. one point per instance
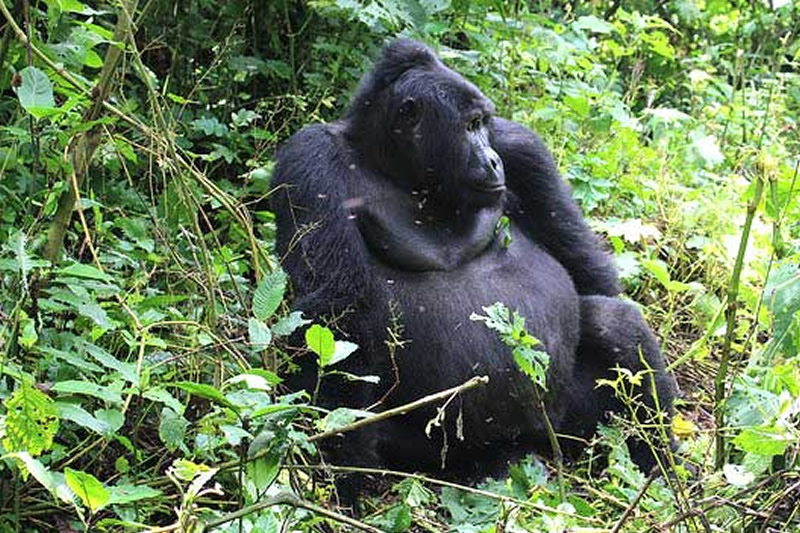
(403, 409)
(629, 510)
(287, 498)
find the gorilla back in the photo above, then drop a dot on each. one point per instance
(389, 219)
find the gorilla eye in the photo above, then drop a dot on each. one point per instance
(408, 109)
(475, 124)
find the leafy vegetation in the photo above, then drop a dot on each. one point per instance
(143, 320)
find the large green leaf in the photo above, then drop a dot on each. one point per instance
(288, 324)
(88, 388)
(782, 296)
(126, 370)
(36, 92)
(91, 492)
(82, 417)
(35, 468)
(259, 333)
(268, 294)
(320, 341)
(31, 421)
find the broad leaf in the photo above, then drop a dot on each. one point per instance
(88, 388)
(268, 294)
(36, 92)
(82, 417)
(31, 421)
(91, 492)
(123, 494)
(259, 333)
(320, 341)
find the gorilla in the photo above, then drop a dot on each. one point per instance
(394, 221)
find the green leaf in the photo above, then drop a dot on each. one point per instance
(36, 92)
(340, 417)
(122, 494)
(288, 324)
(270, 409)
(91, 492)
(658, 269)
(320, 341)
(269, 294)
(396, 519)
(35, 468)
(593, 24)
(252, 381)
(414, 493)
(112, 417)
(97, 314)
(18, 243)
(88, 388)
(263, 471)
(206, 391)
(764, 440)
(342, 351)
(31, 421)
(259, 333)
(27, 335)
(72, 359)
(234, 435)
(159, 394)
(74, 6)
(126, 370)
(82, 417)
(579, 104)
(172, 430)
(782, 296)
(79, 270)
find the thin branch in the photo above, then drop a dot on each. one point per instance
(87, 142)
(287, 498)
(403, 409)
(635, 503)
(732, 304)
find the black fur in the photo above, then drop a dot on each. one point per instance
(392, 213)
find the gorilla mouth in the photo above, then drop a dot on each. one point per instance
(490, 187)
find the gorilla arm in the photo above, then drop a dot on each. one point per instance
(321, 248)
(541, 203)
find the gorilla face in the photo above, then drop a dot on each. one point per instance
(437, 133)
(446, 127)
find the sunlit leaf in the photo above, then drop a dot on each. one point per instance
(31, 421)
(91, 492)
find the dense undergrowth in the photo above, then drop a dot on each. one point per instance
(142, 317)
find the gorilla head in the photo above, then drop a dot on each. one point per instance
(426, 128)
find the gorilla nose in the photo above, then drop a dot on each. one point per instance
(494, 167)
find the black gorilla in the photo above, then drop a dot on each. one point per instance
(391, 216)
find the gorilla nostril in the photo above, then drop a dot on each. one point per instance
(494, 163)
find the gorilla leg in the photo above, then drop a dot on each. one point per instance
(614, 334)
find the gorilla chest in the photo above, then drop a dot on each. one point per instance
(435, 309)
